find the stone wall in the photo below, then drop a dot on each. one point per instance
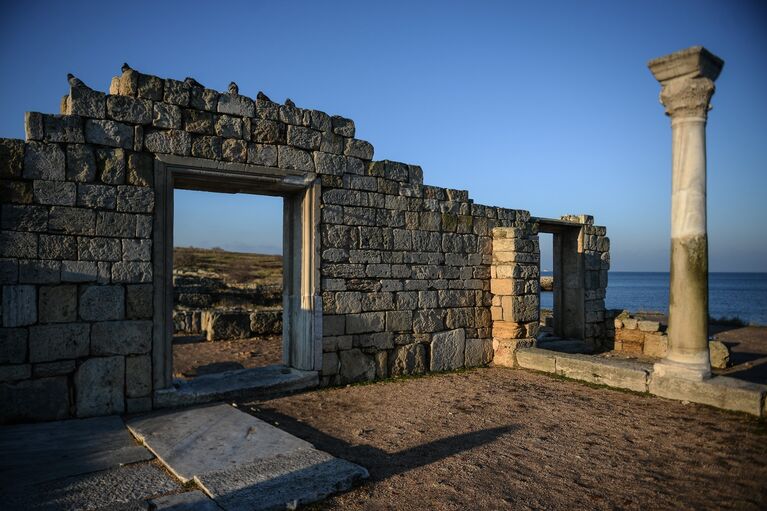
(405, 267)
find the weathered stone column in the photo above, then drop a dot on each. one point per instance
(687, 77)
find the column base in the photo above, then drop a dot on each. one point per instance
(669, 368)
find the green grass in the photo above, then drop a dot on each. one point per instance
(236, 267)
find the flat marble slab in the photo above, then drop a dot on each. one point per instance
(34, 453)
(240, 461)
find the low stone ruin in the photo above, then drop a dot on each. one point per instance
(228, 324)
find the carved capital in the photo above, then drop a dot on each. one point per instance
(687, 97)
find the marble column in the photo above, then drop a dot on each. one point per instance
(687, 78)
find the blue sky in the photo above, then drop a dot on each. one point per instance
(544, 106)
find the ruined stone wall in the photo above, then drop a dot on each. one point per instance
(405, 268)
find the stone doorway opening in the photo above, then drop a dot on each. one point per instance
(227, 281)
(297, 307)
(563, 329)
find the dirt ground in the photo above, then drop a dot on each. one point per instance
(194, 356)
(500, 438)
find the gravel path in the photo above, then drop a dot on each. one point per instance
(510, 439)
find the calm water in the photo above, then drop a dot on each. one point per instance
(730, 294)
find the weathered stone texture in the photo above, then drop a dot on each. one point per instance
(121, 337)
(108, 133)
(58, 342)
(99, 384)
(44, 161)
(58, 304)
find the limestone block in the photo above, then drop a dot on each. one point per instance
(48, 369)
(11, 157)
(111, 165)
(648, 326)
(165, 115)
(614, 373)
(479, 352)
(447, 350)
(295, 159)
(121, 337)
(334, 144)
(33, 126)
(234, 150)
(108, 133)
(207, 147)
(534, 358)
(58, 304)
(235, 104)
(150, 87)
(35, 400)
(19, 306)
(58, 342)
(168, 142)
(342, 126)
(269, 132)
(356, 366)
(140, 169)
(203, 99)
(262, 154)
(39, 272)
(365, 322)
(62, 128)
(358, 149)
(135, 199)
(138, 376)
(266, 322)
(86, 102)
(96, 196)
(143, 226)
(291, 115)
(719, 354)
(99, 384)
(132, 272)
(399, 321)
(24, 218)
(428, 321)
(198, 122)
(227, 126)
(509, 330)
(15, 372)
(79, 271)
(379, 340)
(44, 161)
(17, 192)
(102, 303)
(655, 345)
(176, 92)
(719, 391)
(407, 360)
(228, 325)
(317, 120)
(136, 250)
(9, 271)
(13, 345)
(113, 224)
(80, 163)
(128, 109)
(304, 138)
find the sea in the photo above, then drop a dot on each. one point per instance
(742, 295)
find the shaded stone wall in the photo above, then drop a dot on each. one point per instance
(405, 267)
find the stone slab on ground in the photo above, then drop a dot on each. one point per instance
(240, 461)
(621, 374)
(34, 453)
(719, 391)
(123, 488)
(259, 382)
(188, 501)
(537, 359)
(564, 345)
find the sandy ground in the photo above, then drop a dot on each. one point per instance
(194, 356)
(511, 439)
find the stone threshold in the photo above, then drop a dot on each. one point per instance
(720, 391)
(256, 383)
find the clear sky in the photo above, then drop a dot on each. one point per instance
(544, 106)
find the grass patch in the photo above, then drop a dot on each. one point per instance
(237, 267)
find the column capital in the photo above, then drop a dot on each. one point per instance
(687, 77)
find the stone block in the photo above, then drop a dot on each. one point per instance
(291, 115)
(44, 161)
(138, 405)
(262, 154)
(225, 326)
(135, 199)
(136, 250)
(719, 391)
(655, 345)
(534, 358)
(648, 326)
(102, 303)
(121, 338)
(203, 99)
(365, 322)
(58, 342)
(176, 92)
(235, 104)
(86, 102)
(108, 133)
(15, 192)
(79, 271)
(613, 373)
(111, 165)
(130, 272)
(128, 109)
(39, 272)
(332, 143)
(198, 122)
(11, 157)
(80, 163)
(99, 249)
(33, 126)
(58, 304)
(399, 321)
(304, 138)
(428, 321)
(143, 226)
(122, 225)
(13, 345)
(15, 372)
(96, 196)
(99, 384)
(447, 350)
(168, 142)
(509, 330)
(266, 322)
(24, 218)
(165, 115)
(150, 87)
(234, 150)
(356, 366)
(479, 352)
(138, 376)
(269, 132)
(407, 360)
(48, 369)
(19, 306)
(630, 323)
(294, 159)
(329, 364)
(207, 147)
(34, 400)
(9, 271)
(140, 169)
(342, 126)
(719, 354)
(62, 128)
(227, 126)
(358, 149)
(379, 340)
